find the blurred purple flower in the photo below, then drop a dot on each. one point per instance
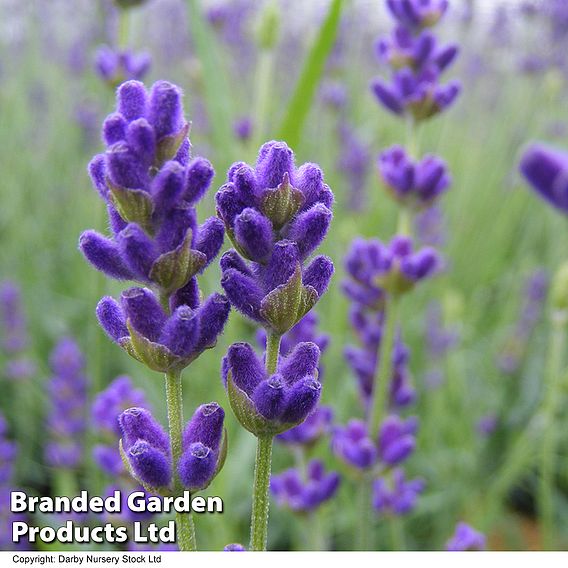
(416, 184)
(546, 169)
(416, 14)
(305, 495)
(374, 267)
(466, 538)
(312, 429)
(395, 443)
(354, 163)
(115, 67)
(106, 408)
(66, 421)
(397, 496)
(12, 319)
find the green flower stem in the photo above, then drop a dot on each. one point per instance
(272, 352)
(396, 526)
(184, 521)
(263, 464)
(377, 410)
(379, 402)
(549, 441)
(260, 501)
(123, 28)
(404, 226)
(365, 517)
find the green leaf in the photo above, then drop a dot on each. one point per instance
(300, 103)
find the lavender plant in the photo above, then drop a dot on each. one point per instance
(14, 338)
(417, 62)
(304, 488)
(150, 185)
(380, 275)
(276, 215)
(67, 419)
(546, 170)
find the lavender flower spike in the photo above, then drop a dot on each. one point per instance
(415, 185)
(397, 497)
(271, 404)
(416, 14)
(66, 422)
(303, 496)
(374, 267)
(106, 408)
(146, 447)
(276, 215)
(162, 342)
(151, 185)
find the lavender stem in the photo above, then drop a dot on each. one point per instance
(184, 522)
(379, 402)
(263, 464)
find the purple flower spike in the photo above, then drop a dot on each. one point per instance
(163, 342)
(107, 407)
(146, 447)
(352, 444)
(204, 448)
(375, 267)
(272, 404)
(546, 169)
(404, 49)
(466, 538)
(421, 95)
(397, 496)
(396, 439)
(150, 186)
(12, 319)
(417, 14)
(66, 421)
(276, 216)
(416, 185)
(303, 496)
